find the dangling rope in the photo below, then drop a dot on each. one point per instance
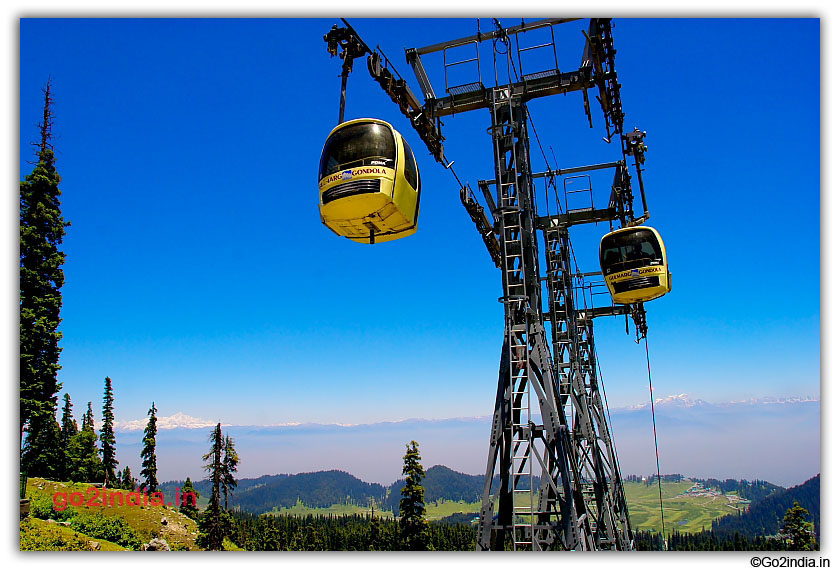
(656, 446)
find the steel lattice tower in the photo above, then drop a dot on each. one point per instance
(552, 480)
(577, 500)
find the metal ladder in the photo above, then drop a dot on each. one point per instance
(517, 326)
(558, 308)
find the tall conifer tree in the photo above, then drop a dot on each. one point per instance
(230, 463)
(41, 278)
(187, 506)
(797, 532)
(210, 526)
(83, 461)
(128, 482)
(149, 471)
(69, 427)
(414, 529)
(87, 419)
(107, 437)
(42, 453)
(376, 539)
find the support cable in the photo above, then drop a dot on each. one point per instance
(606, 401)
(656, 446)
(612, 431)
(452, 170)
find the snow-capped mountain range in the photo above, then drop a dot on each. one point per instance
(176, 420)
(685, 401)
(182, 420)
(740, 439)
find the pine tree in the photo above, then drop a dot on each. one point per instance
(149, 471)
(87, 419)
(106, 435)
(211, 531)
(69, 427)
(375, 538)
(128, 482)
(796, 530)
(229, 467)
(84, 463)
(414, 529)
(41, 278)
(42, 455)
(187, 506)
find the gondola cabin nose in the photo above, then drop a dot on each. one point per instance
(635, 265)
(368, 182)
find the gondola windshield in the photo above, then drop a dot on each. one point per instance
(358, 144)
(630, 250)
(635, 265)
(368, 182)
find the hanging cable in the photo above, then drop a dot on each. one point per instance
(452, 170)
(606, 402)
(656, 445)
(609, 421)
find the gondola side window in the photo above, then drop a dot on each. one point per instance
(630, 251)
(355, 145)
(410, 167)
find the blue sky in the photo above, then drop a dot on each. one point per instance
(199, 276)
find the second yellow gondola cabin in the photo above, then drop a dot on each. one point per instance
(635, 265)
(368, 182)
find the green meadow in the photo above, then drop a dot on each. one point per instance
(682, 512)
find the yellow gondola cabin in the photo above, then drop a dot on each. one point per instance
(635, 265)
(369, 183)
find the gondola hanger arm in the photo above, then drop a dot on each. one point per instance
(352, 46)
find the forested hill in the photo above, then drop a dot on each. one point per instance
(325, 488)
(753, 491)
(203, 486)
(441, 482)
(318, 489)
(765, 516)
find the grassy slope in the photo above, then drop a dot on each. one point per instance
(439, 509)
(302, 510)
(41, 533)
(434, 510)
(689, 514)
(180, 532)
(683, 513)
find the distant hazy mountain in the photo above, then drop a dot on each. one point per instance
(685, 401)
(742, 440)
(372, 452)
